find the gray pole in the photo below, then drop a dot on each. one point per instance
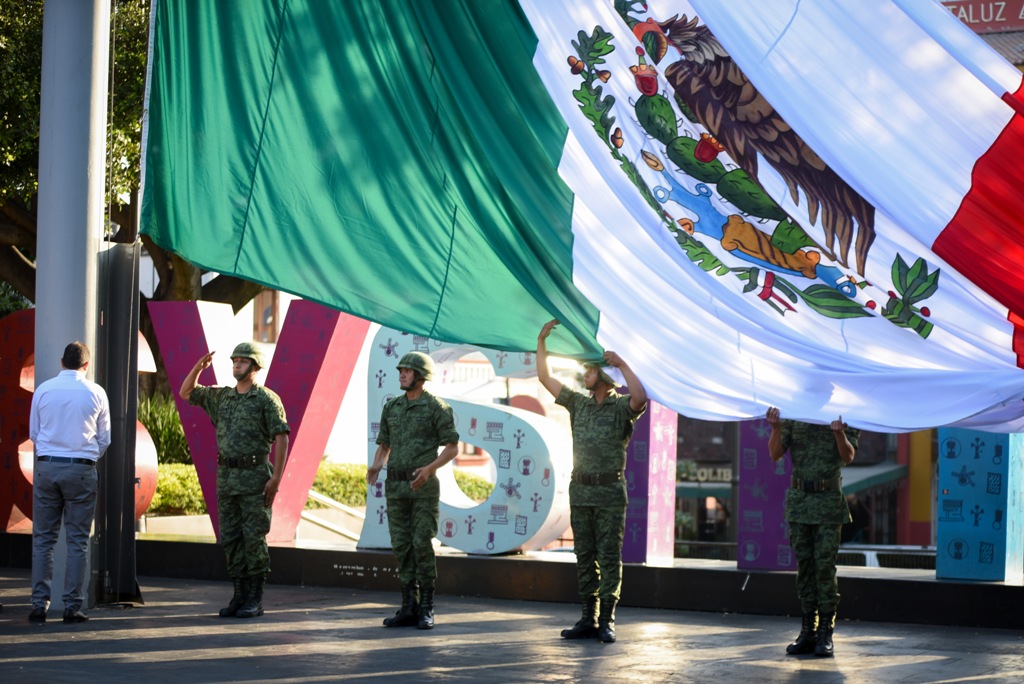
(72, 153)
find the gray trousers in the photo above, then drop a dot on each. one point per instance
(61, 491)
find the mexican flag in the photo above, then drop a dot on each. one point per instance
(813, 205)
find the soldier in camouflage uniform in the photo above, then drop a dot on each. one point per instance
(602, 424)
(249, 418)
(816, 511)
(413, 426)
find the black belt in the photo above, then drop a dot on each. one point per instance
(597, 478)
(67, 459)
(401, 475)
(816, 485)
(243, 461)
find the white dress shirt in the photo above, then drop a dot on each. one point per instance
(70, 417)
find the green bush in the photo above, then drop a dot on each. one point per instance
(343, 482)
(473, 486)
(684, 526)
(346, 483)
(160, 416)
(686, 470)
(177, 491)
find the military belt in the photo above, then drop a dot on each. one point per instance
(597, 478)
(400, 475)
(816, 485)
(243, 461)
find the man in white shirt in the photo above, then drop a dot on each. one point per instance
(70, 428)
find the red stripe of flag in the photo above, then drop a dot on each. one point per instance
(985, 239)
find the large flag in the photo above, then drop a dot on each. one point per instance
(810, 205)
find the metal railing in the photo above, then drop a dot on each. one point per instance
(888, 556)
(862, 555)
(706, 550)
(313, 518)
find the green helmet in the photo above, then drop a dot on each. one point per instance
(602, 374)
(249, 350)
(418, 361)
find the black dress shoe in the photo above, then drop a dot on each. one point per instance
(75, 616)
(38, 614)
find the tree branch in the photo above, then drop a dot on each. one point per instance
(231, 290)
(18, 271)
(179, 280)
(17, 224)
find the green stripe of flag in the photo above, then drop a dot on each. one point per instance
(395, 160)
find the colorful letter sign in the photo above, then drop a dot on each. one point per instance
(979, 512)
(313, 363)
(529, 506)
(762, 535)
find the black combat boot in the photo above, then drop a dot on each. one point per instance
(606, 621)
(426, 608)
(254, 599)
(238, 600)
(408, 614)
(586, 626)
(806, 639)
(823, 645)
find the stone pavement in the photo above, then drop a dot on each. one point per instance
(313, 634)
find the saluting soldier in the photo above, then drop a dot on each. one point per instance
(413, 426)
(815, 511)
(249, 419)
(602, 425)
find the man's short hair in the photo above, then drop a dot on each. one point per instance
(76, 355)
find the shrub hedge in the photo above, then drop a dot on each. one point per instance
(474, 486)
(178, 491)
(343, 482)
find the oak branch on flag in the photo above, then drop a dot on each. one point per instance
(759, 203)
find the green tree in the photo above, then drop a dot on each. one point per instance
(21, 39)
(10, 300)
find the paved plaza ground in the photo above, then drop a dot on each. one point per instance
(315, 634)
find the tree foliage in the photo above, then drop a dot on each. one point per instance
(10, 300)
(21, 42)
(21, 39)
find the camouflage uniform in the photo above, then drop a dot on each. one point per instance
(815, 518)
(246, 426)
(597, 512)
(413, 430)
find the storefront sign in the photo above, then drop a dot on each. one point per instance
(985, 16)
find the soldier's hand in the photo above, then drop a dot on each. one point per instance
(546, 330)
(612, 359)
(838, 425)
(372, 473)
(205, 361)
(772, 416)
(270, 491)
(420, 477)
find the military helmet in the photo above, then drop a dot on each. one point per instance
(602, 374)
(418, 361)
(248, 350)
